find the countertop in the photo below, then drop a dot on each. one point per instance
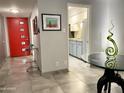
(75, 39)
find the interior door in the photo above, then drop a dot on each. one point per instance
(85, 40)
(18, 32)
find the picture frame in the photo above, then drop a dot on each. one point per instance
(35, 27)
(51, 22)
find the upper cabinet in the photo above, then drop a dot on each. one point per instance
(74, 27)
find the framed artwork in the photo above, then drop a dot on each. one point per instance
(35, 27)
(51, 22)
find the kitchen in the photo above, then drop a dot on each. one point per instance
(78, 31)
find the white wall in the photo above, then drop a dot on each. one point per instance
(35, 39)
(54, 44)
(34, 13)
(99, 25)
(103, 11)
(116, 13)
(2, 40)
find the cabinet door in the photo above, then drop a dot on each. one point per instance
(70, 47)
(79, 50)
(74, 48)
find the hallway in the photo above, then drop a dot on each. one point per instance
(80, 78)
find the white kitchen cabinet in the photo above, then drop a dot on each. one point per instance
(79, 49)
(75, 48)
(71, 47)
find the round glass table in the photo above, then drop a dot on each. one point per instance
(111, 71)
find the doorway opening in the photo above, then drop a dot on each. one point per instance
(78, 19)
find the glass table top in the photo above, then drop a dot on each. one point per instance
(100, 60)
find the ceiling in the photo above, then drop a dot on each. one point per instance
(77, 14)
(23, 6)
(76, 11)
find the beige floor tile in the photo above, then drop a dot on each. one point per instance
(81, 78)
(74, 87)
(50, 90)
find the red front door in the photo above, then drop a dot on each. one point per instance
(18, 32)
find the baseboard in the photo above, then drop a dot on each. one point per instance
(79, 58)
(53, 72)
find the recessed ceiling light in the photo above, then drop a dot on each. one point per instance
(14, 11)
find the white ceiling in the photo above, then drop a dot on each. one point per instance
(24, 6)
(77, 14)
(76, 11)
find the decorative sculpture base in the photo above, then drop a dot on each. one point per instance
(106, 80)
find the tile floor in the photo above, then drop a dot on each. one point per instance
(81, 78)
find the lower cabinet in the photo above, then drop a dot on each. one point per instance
(79, 49)
(75, 48)
(74, 53)
(71, 47)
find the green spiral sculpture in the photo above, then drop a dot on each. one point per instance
(111, 62)
(111, 52)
